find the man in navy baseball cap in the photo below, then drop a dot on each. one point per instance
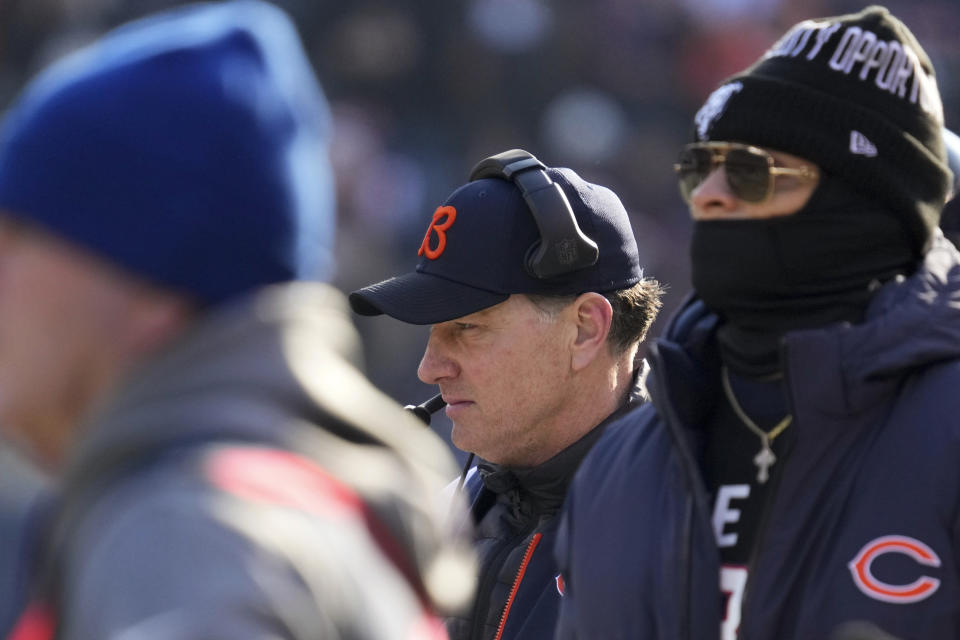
(532, 283)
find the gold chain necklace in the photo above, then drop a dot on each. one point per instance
(765, 458)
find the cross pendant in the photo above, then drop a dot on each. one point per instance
(764, 460)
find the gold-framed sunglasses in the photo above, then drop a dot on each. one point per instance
(750, 170)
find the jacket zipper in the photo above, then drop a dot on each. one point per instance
(768, 502)
(487, 581)
(758, 544)
(693, 477)
(516, 582)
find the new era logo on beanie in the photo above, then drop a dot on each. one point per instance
(475, 250)
(857, 95)
(188, 147)
(861, 145)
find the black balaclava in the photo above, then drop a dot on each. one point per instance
(816, 267)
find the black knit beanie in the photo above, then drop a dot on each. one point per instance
(857, 95)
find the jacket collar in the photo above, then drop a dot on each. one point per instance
(910, 323)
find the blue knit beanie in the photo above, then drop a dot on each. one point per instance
(188, 147)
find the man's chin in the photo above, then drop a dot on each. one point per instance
(462, 438)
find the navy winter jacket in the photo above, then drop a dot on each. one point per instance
(862, 524)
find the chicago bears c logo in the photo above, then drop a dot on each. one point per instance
(441, 228)
(921, 588)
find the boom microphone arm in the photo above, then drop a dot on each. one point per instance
(424, 411)
(427, 409)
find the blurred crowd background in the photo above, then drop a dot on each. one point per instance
(423, 89)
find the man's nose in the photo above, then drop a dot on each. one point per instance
(712, 198)
(436, 365)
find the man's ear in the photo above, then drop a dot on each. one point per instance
(593, 315)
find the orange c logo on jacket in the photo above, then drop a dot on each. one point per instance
(448, 214)
(921, 588)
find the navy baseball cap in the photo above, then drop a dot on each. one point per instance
(474, 253)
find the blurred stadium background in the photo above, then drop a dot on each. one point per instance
(422, 89)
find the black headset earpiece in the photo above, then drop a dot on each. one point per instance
(562, 247)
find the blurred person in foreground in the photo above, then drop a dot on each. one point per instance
(224, 470)
(532, 283)
(795, 475)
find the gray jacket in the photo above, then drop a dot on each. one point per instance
(250, 483)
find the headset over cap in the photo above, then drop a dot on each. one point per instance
(516, 227)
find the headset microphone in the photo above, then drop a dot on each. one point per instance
(428, 408)
(424, 411)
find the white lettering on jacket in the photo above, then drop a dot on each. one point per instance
(724, 514)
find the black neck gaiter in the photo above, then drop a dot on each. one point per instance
(816, 267)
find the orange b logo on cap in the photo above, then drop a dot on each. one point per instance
(450, 214)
